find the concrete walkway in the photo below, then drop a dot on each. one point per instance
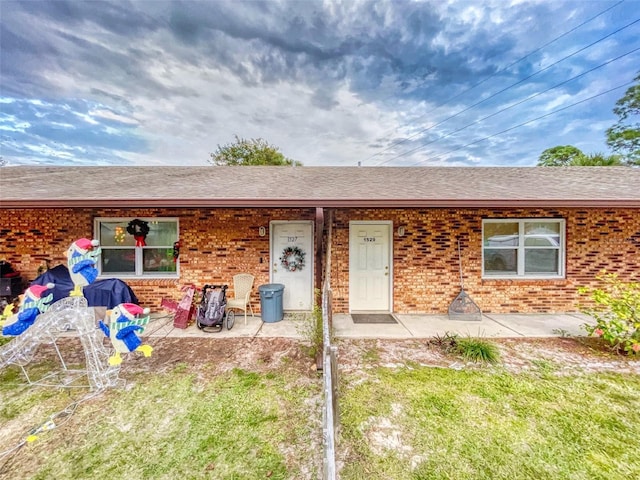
(408, 326)
(491, 325)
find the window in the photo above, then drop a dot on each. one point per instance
(523, 248)
(121, 257)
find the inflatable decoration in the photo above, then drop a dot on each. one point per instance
(82, 257)
(33, 304)
(124, 324)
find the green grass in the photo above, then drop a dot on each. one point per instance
(237, 425)
(425, 423)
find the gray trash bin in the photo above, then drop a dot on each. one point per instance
(271, 302)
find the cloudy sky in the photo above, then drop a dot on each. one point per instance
(386, 82)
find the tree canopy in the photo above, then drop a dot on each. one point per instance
(570, 156)
(623, 138)
(255, 151)
(560, 156)
(597, 160)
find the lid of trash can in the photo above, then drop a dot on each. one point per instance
(271, 287)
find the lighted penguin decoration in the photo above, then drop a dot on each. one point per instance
(33, 304)
(125, 322)
(82, 257)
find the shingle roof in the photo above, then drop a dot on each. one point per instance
(37, 187)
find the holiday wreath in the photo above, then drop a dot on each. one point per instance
(139, 229)
(292, 259)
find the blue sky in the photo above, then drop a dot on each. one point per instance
(394, 83)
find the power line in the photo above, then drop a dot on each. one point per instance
(527, 122)
(515, 84)
(493, 75)
(420, 147)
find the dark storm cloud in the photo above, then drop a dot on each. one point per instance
(42, 37)
(408, 43)
(366, 44)
(121, 17)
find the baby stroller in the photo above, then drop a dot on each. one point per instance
(211, 315)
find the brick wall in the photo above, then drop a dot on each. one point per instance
(425, 259)
(216, 244)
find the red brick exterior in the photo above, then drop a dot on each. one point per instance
(425, 260)
(216, 244)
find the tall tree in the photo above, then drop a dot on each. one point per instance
(255, 151)
(624, 136)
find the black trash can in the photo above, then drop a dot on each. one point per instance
(271, 302)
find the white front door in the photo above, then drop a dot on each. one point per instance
(298, 282)
(369, 266)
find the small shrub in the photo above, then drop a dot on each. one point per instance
(478, 350)
(447, 341)
(561, 332)
(616, 312)
(311, 330)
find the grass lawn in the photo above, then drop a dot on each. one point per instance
(185, 422)
(419, 423)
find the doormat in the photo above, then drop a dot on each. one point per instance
(373, 318)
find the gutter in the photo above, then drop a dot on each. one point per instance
(318, 203)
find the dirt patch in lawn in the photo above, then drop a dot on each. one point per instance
(207, 354)
(562, 355)
(221, 355)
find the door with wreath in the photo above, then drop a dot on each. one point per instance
(292, 262)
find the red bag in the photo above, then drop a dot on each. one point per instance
(185, 310)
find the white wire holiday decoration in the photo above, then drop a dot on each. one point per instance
(72, 317)
(68, 317)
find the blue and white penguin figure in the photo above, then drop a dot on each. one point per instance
(34, 302)
(125, 322)
(82, 257)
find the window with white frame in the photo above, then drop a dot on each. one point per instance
(523, 248)
(120, 255)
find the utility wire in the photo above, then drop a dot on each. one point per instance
(517, 83)
(526, 123)
(493, 75)
(420, 147)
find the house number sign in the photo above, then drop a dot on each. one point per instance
(369, 239)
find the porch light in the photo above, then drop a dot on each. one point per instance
(262, 231)
(400, 231)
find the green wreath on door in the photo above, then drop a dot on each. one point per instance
(292, 259)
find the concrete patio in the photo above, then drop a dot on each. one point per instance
(408, 326)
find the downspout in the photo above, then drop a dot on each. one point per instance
(319, 249)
